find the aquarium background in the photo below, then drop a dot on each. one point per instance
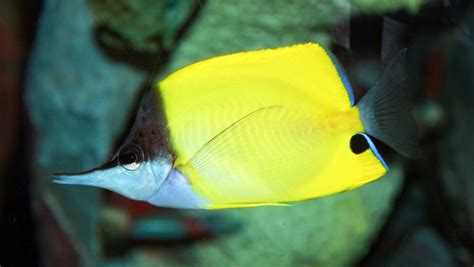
(72, 73)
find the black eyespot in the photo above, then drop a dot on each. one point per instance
(358, 144)
(130, 157)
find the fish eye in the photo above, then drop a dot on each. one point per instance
(130, 157)
(358, 144)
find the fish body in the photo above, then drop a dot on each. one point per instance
(254, 128)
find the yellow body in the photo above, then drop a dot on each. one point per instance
(265, 127)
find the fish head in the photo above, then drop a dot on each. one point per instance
(141, 164)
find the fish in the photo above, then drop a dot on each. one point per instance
(258, 128)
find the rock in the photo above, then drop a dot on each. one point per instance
(455, 145)
(79, 102)
(243, 25)
(331, 231)
(224, 27)
(423, 248)
(141, 25)
(380, 7)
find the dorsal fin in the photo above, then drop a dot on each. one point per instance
(344, 77)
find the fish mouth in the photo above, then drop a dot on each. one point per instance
(74, 173)
(82, 178)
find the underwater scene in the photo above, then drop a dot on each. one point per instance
(237, 133)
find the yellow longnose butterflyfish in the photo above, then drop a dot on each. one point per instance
(255, 128)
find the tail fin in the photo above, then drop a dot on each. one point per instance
(386, 110)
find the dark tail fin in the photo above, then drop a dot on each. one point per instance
(386, 110)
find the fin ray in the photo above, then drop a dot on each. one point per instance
(386, 110)
(196, 155)
(244, 163)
